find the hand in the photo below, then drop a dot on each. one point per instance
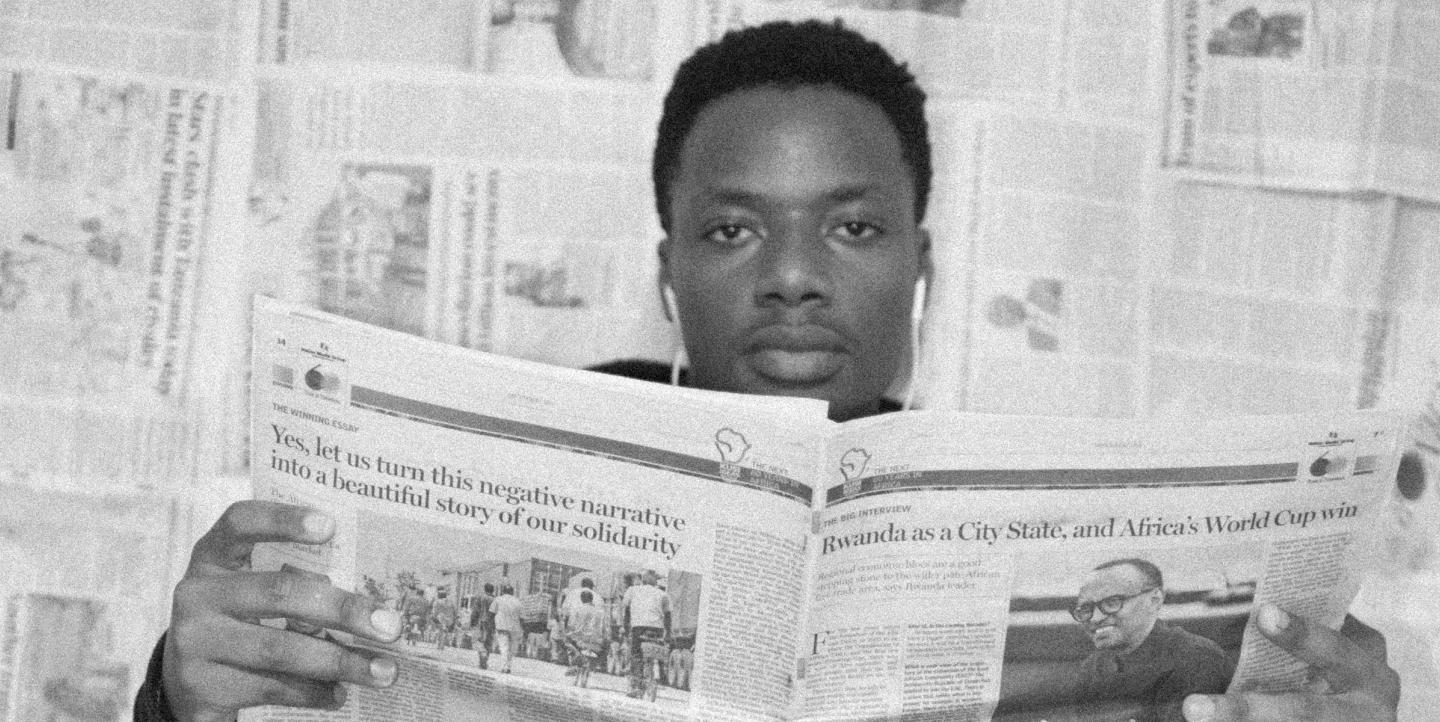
(1351, 662)
(218, 658)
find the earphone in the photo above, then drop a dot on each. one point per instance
(672, 314)
(667, 293)
(917, 316)
(917, 305)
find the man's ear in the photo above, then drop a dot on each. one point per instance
(663, 282)
(1158, 598)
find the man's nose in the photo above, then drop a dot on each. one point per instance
(794, 268)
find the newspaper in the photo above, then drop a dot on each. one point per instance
(76, 624)
(1334, 96)
(596, 38)
(108, 183)
(919, 563)
(437, 207)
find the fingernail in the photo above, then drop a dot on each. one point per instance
(386, 622)
(318, 525)
(1272, 618)
(1199, 708)
(340, 695)
(382, 671)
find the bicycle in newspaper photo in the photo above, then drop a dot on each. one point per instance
(654, 652)
(582, 659)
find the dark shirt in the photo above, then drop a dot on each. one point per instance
(1170, 664)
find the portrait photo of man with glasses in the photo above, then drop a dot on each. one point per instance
(1138, 656)
(1124, 634)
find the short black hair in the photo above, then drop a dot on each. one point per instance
(791, 55)
(1146, 568)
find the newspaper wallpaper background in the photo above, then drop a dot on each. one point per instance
(1187, 207)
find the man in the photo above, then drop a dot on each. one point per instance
(1138, 657)
(571, 599)
(647, 619)
(416, 610)
(443, 615)
(482, 620)
(792, 170)
(509, 631)
(586, 631)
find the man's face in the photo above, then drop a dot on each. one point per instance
(1126, 628)
(793, 248)
(650, 578)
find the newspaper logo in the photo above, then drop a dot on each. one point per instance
(322, 381)
(852, 467)
(1328, 464)
(1331, 459)
(283, 376)
(732, 445)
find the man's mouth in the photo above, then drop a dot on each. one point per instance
(795, 367)
(796, 355)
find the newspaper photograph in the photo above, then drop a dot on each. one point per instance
(532, 610)
(1096, 629)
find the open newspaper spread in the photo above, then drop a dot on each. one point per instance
(912, 565)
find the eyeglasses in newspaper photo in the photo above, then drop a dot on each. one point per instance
(1109, 605)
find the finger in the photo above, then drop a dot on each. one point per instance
(275, 651)
(238, 688)
(1365, 637)
(295, 625)
(282, 595)
(228, 544)
(1340, 662)
(1265, 707)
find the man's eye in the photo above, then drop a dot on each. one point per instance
(729, 234)
(858, 231)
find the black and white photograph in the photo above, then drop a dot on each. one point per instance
(480, 602)
(1124, 633)
(1259, 30)
(65, 667)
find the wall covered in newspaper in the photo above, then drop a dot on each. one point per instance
(1201, 207)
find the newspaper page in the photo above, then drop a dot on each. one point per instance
(107, 187)
(555, 38)
(479, 214)
(77, 622)
(1004, 51)
(180, 38)
(1051, 303)
(1330, 96)
(961, 560)
(1407, 136)
(107, 221)
(481, 496)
